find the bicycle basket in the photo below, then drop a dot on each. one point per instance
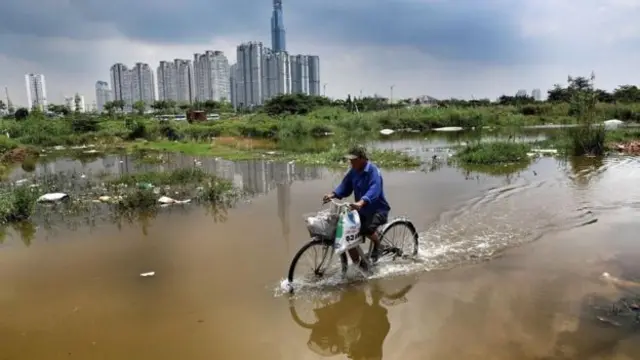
(322, 224)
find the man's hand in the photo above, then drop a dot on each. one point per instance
(328, 197)
(357, 206)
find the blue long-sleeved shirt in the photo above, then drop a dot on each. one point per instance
(365, 185)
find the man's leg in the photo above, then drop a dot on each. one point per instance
(378, 220)
(371, 232)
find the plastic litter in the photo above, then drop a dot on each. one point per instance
(165, 200)
(323, 224)
(148, 274)
(449, 128)
(52, 197)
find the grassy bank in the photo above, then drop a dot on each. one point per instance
(297, 128)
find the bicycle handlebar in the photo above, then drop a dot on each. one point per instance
(338, 203)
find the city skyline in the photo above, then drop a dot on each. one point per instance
(444, 49)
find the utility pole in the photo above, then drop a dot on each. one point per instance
(324, 90)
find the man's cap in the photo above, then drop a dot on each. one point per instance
(356, 152)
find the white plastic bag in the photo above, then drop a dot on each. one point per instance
(323, 224)
(347, 231)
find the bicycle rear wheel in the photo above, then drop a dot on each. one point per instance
(399, 239)
(314, 262)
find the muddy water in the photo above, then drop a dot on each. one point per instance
(509, 269)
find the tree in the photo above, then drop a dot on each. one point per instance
(139, 106)
(109, 107)
(627, 94)
(60, 110)
(159, 106)
(3, 106)
(21, 114)
(77, 101)
(211, 106)
(558, 94)
(299, 104)
(119, 104)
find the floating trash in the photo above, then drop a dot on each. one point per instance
(52, 197)
(449, 128)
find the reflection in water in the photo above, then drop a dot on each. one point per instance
(352, 324)
(25, 230)
(78, 176)
(253, 176)
(284, 203)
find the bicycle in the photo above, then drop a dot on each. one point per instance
(322, 227)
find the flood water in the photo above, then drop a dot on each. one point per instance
(510, 267)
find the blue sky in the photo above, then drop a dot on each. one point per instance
(443, 48)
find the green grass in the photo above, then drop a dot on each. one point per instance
(195, 149)
(17, 204)
(493, 153)
(389, 159)
(296, 137)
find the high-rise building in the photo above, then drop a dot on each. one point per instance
(300, 74)
(234, 85)
(142, 84)
(278, 43)
(314, 75)
(211, 76)
(121, 82)
(276, 74)
(167, 81)
(36, 91)
(103, 95)
(184, 81)
(536, 94)
(249, 75)
(175, 81)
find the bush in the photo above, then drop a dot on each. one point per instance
(17, 204)
(493, 153)
(84, 124)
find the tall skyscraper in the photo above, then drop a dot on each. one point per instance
(36, 91)
(314, 75)
(234, 85)
(166, 75)
(103, 95)
(300, 74)
(184, 81)
(175, 81)
(278, 43)
(142, 84)
(249, 74)
(211, 73)
(121, 82)
(536, 94)
(276, 74)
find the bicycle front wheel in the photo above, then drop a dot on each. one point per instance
(314, 262)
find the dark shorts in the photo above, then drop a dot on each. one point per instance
(370, 223)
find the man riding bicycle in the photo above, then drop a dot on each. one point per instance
(364, 180)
